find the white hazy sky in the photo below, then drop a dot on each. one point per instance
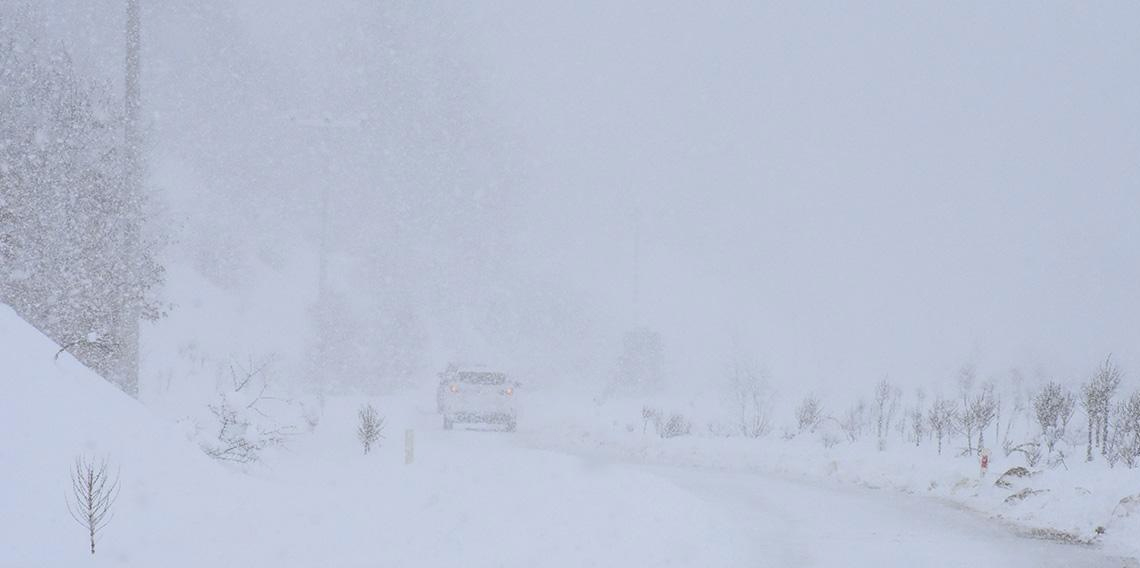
(855, 191)
(846, 191)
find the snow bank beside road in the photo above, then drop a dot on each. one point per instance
(1072, 504)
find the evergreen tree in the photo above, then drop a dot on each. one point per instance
(67, 220)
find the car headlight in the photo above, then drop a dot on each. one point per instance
(509, 391)
(454, 387)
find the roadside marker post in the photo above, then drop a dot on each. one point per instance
(409, 446)
(984, 458)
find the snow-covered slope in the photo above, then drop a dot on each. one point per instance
(54, 409)
(469, 499)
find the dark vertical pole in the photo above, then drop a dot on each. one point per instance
(128, 368)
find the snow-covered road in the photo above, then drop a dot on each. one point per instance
(767, 520)
(793, 523)
(495, 499)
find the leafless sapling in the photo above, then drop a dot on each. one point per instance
(371, 427)
(93, 495)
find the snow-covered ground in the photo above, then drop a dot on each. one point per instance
(471, 498)
(1077, 502)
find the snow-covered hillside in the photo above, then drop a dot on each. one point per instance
(55, 410)
(464, 501)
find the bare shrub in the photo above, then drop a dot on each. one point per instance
(1030, 450)
(1023, 495)
(371, 427)
(311, 412)
(93, 495)
(1006, 479)
(244, 427)
(808, 414)
(676, 425)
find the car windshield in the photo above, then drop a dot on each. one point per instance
(482, 378)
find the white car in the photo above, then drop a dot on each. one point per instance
(476, 396)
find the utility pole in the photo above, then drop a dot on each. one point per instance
(129, 311)
(637, 263)
(325, 126)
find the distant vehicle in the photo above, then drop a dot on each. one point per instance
(476, 396)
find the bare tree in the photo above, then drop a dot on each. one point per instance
(1053, 406)
(1017, 408)
(917, 424)
(93, 496)
(882, 395)
(996, 396)
(967, 375)
(983, 407)
(649, 415)
(1090, 401)
(1124, 445)
(916, 417)
(808, 414)
(371, 427)
(1099, 395)
(941, 418)
(753, 398)
(853, 420)
(893, 409)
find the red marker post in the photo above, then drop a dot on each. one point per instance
(984, 459)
